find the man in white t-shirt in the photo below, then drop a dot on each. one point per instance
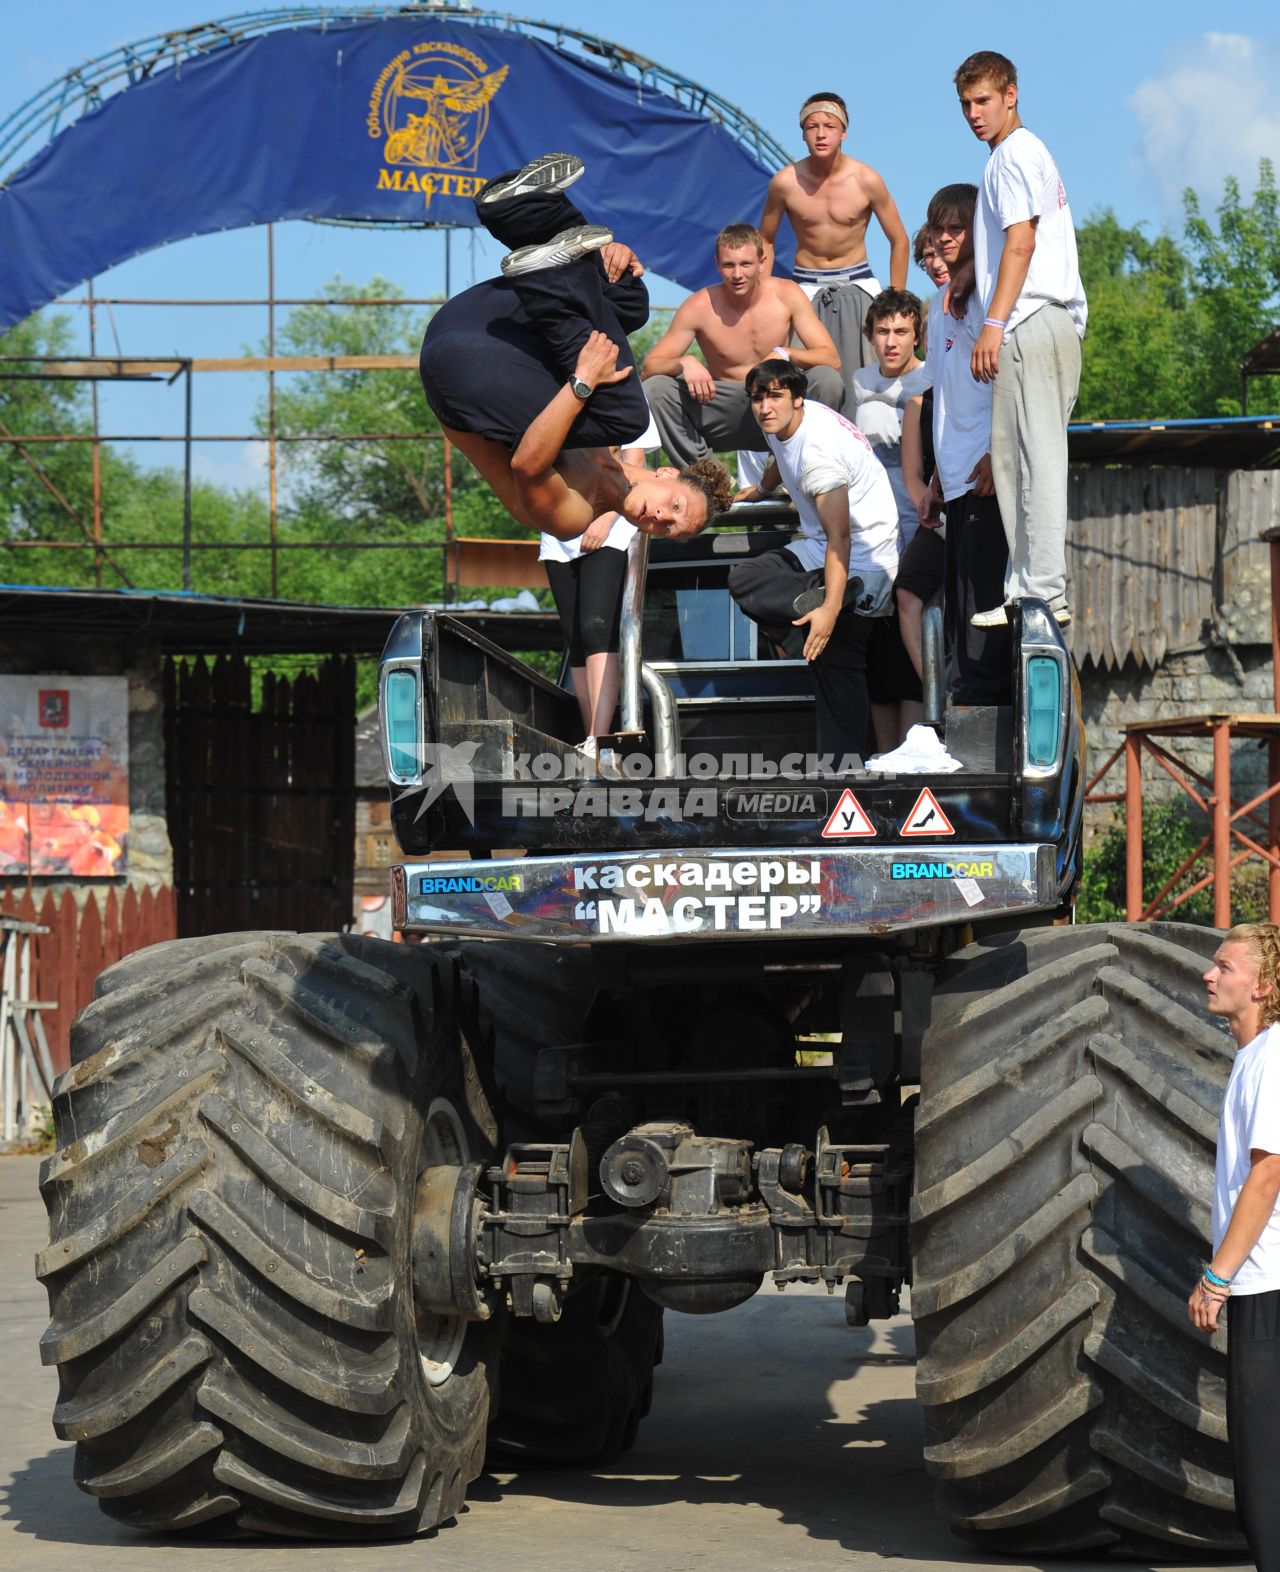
(835, 579)
(881, 393)
(1244, 988)
(962, 484)
(1029, 289)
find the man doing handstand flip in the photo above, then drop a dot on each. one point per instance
(531, 376)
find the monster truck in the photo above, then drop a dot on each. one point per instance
(330, 1217)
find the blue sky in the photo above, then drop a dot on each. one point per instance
(1135, 101)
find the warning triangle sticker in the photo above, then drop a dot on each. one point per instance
(927, 817)
(848, 819)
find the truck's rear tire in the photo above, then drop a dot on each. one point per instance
(229, 1271)
(577, 1389)
(1065, 1141)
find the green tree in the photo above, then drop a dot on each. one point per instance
(1170, 321)
(29, 504)
(1236, 269)
(1136, 363)
(383, 491)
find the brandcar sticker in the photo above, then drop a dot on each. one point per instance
(927, 818)
(955, 868)
(470, 883)
(848, 819)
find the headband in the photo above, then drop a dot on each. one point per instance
(826, 106)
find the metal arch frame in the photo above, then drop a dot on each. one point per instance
(86, 87)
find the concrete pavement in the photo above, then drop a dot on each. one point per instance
(779, 1438)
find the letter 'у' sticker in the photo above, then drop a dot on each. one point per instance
(848, 819)
(927, 817)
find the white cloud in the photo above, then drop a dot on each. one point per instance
(1209, 113)
(242, 467)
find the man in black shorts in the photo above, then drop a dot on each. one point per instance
(531, 376)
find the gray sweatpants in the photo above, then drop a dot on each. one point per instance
(691, 431)
(1031, 402)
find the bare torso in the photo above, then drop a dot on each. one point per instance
(734, 336)
(829, 212)
(596, 474)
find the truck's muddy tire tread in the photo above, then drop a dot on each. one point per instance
(228, 1271)
(1064, 1172)
(576, 1390)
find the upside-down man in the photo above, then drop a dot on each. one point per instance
(531, 376)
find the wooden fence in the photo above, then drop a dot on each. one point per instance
(82, 941)
(260, 800)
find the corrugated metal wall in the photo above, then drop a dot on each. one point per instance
(1143, 558)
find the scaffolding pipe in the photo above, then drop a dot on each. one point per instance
(97, 447)
(186, 485)
(271, 409)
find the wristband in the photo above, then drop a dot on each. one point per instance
(1000, 322)
(1218, 1282)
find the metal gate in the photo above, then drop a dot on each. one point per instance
(260, 796)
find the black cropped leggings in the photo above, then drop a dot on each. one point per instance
(1253, 1401)
(588, 597)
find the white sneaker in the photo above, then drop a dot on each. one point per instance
(998, 616)
(587, 748)
(550, 172)
(566, 247)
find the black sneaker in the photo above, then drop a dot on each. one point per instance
(551, 172)
(566, 247)
(810, 599)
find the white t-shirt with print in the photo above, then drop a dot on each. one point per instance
(1021, 182)
(827, 451)
(961, 405)
(620, 535)
(1250, 1119)
(880, 403)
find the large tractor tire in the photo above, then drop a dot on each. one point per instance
(575, 1390)
(1071, 1085)
(230, 1266)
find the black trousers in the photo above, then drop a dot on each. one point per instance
(1253, 1401)
(765, 587)
(496, 355)
(588, 597)
(977, 554)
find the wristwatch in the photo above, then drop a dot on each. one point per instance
(581, 389)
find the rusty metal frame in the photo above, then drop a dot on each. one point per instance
(1211, 794)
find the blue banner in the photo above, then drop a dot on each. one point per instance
(391, 120)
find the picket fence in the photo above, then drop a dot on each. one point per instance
(83, 940)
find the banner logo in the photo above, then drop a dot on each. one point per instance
(430, 109)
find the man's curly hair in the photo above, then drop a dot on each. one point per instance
(711, 478)
(1263, 939)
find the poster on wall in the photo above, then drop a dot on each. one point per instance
(64, 776)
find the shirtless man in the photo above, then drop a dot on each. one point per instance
(531, 377)
(829, 199)
(750, 317)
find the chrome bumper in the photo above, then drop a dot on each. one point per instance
(712, 894)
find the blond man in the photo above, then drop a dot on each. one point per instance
(1244, 989)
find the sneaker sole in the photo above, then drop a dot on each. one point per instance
(809, 600)
(550, 172)
(564, 248)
